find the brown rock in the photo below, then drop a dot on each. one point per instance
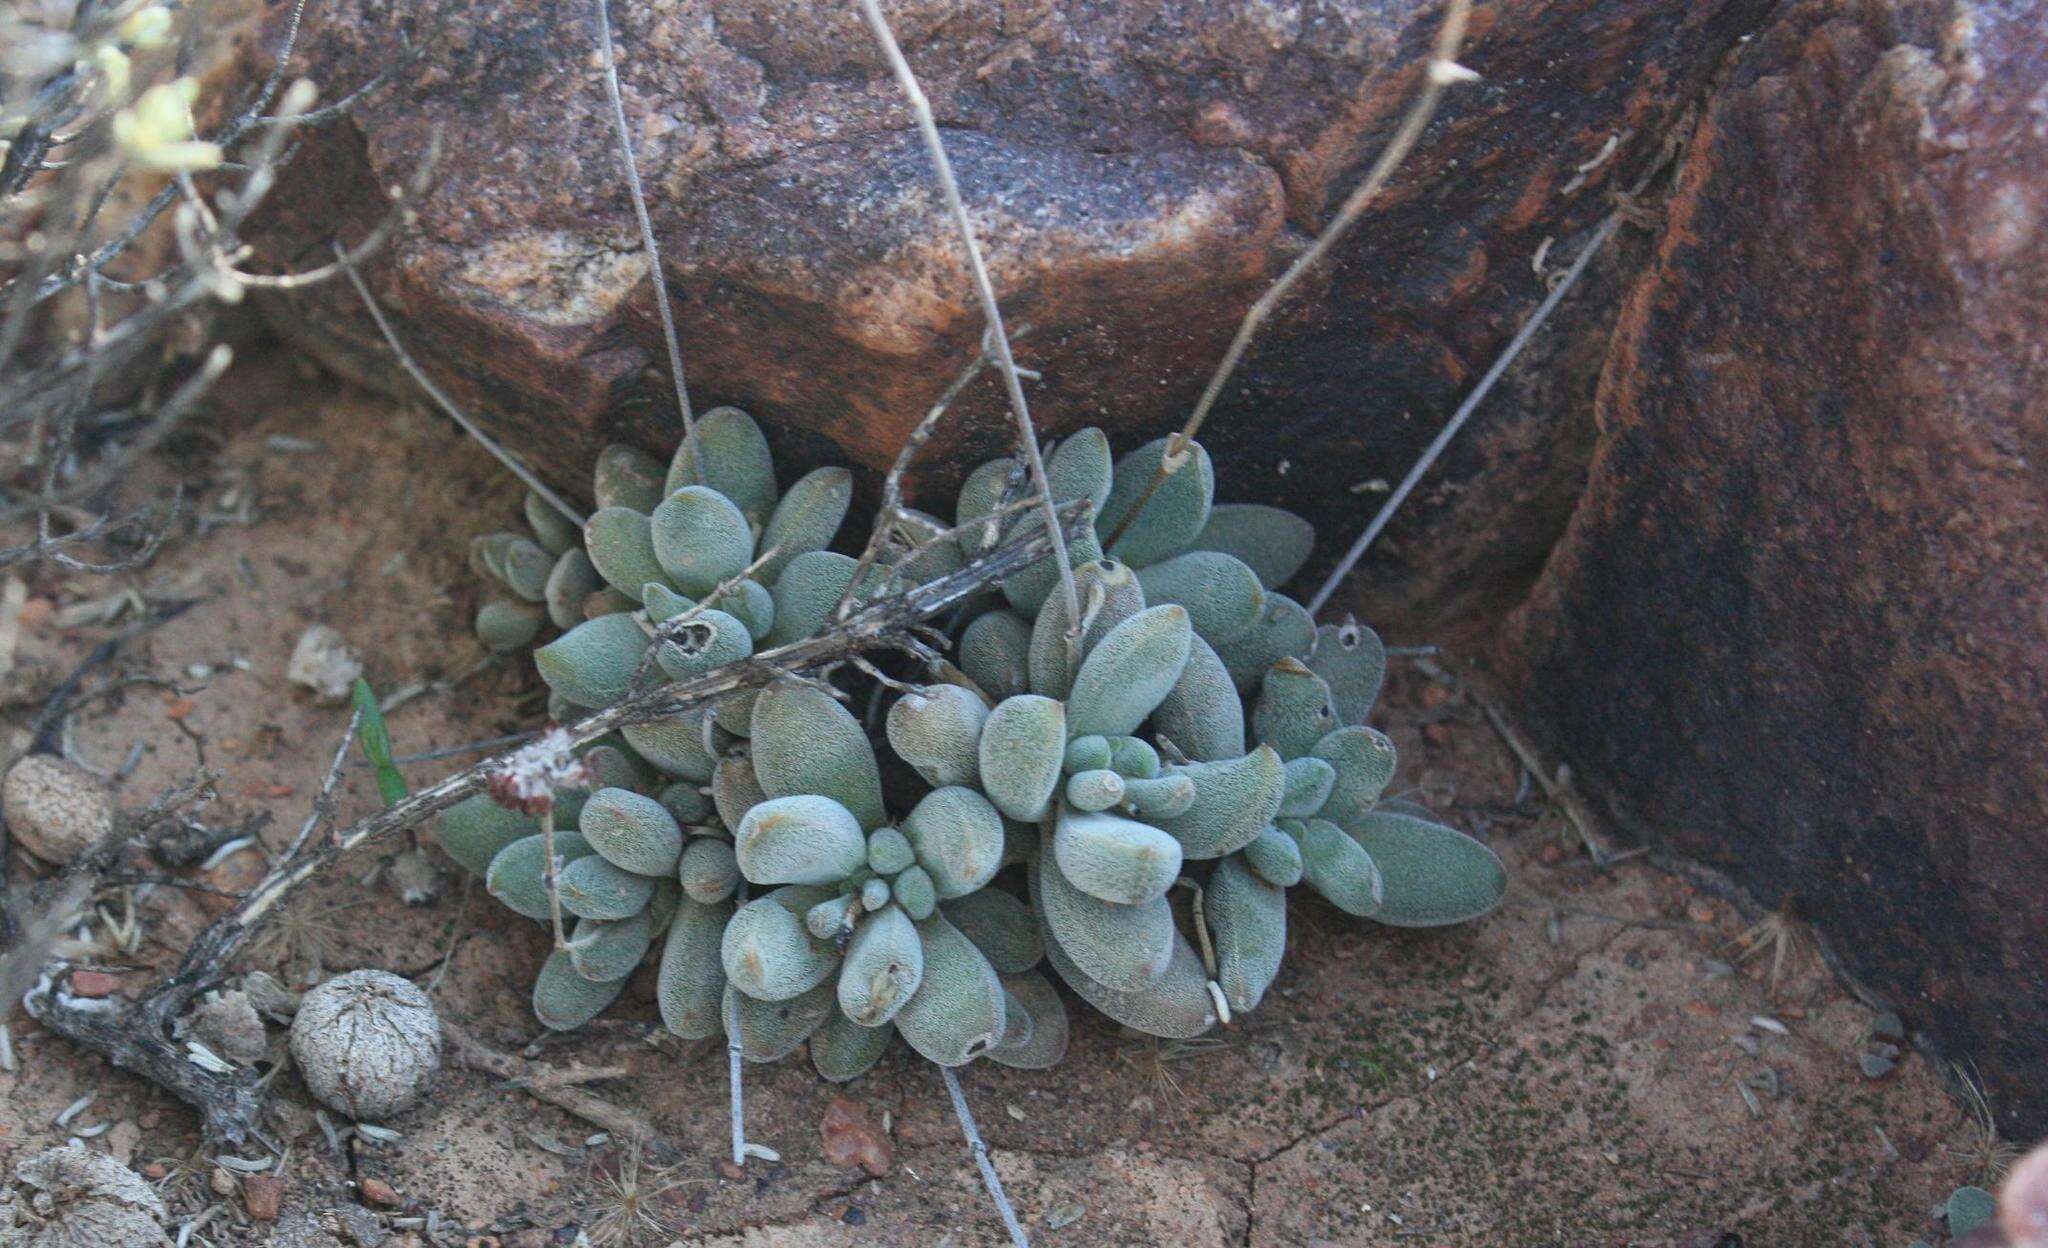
(55, 809)
(854, 1138)
(1795, 630)
(1139, 173)
(263, 1196)
(378, 1192)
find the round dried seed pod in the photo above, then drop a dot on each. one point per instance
(56, 810)
(367, 1043)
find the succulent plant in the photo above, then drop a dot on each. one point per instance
(1194, 730)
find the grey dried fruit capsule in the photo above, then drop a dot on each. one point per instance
(843, 1050)
(1275, 856)
(525, 567)
(1248, 926)
(912, 889)
(1284, 630)
(706, 642)
(889, 851)
(807, 518)
(1434, 875)
(1000, 926)
(772, 1030)
(1162, 797)
(1176, 1005)
(474, 829)
(700, 539)
(767, 952)
(834, 917)
(1124, 947)
(1133, 758)
(875, 894)
(884, 966)
(1202, 714)
(1294, 710)
(1364, 761)
(937, 730)
(734, 788)
(730, 454)
(592, 888)
(994, 653)
(631, 830)
(676, 745)
(556, 533)
(1307, 787)
(1128, 673)
(606, 951)
(1045, 1043)
(1109, 594)
(1223, 596)
(1275, 543)
(516, 874)
(805, 742)
(801, 839)
(504, 626)
(1115, 859)
(1339, 868)
(1089, 753)
(690, 983)
(709, 872)
(570, 584)
(958, 839)
(957, 1012)
(620, 543)
(1175, 514)
(1351, 658)
(1234, 801)
(593, 663)
(688, 802)
(807, 593)
(627, 477)
(1023, 747)
(1094, 790)
(367, 1043)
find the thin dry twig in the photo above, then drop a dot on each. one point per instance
(1027, 435)
(639, 197)
(554, 1087)
(1428, 458)
(1442, 72)
(989, 1177)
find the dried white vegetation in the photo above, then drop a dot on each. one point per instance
(71, 1197)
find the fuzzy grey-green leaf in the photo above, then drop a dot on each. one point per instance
(804, 838)
(1275, 543)
(884, 965)
(709, 870)
(1000, 926)
(705, 642)
(631, 830)
(1128, 673)
(1094, 790)
(1222, 595)
(626, 477)
(807, 518)
(1202, 714)
(937, 730)
(1276, 857)
(503, 626)
(676, 745)
(556, 533)
(843, 1050)
(1248, 925)
(1125, 948)
(994, 652)
(1022, 748)
(1284, 630)
(593, 663)
(807, 593)
(700, 539)
(570, 583)
(1307, 787)
(1175, 1005)
(1351, 658)
(690, 982)
(957, 836)
(772, 1030)
(1434, 875)
(620, 543)
(1046, 1041)
(516, 876)
(805, 742)
(1109, 594)
(1159, 797)
(767, 952)
(730, 454)
(1364, 761)
(1174, 515)
(592, 888)
(1027, 588)
(889, 851)
(1115, 859)
(564, 1000)
(474, 829)
(1294, 710)
(603, 951)
(1234, 801)
(957, 1011)
(1336, 866)
(913, 890)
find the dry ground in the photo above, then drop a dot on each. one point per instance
(1567, 1072)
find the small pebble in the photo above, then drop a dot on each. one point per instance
(94, 984)
(56, 810)
(378, 1192)
(263, 1196)
(324, 662)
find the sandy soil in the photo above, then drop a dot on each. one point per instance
(1571, 1071)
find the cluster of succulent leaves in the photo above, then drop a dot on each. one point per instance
(1157, 775)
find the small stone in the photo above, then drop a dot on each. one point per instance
(263, 1196)
(367, 1043)
(222, 1182)
(854, 1138)
(94, 984)
(156, 1171)
(56, 810)
(728, 1169)
(378, 1192)
(324, 662)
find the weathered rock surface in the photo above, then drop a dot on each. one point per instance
(1797, 628)
(1138, 173)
